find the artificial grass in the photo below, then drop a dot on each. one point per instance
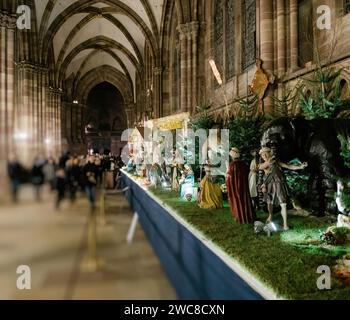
(286, 262)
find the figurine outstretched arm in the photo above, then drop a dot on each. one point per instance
(293, 167)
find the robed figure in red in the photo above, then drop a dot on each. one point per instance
(238, 189)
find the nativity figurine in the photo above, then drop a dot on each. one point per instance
(238, 189)
(274, 186)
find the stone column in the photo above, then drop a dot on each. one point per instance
(7, 32)
(42, 104)
(83, 122)
(194, 33)
(53, 117)
(69, 119)
(157, 73)
(293, 34)
(183, 57)
(281, 37)
(31, 109)
(189, 62)
(59, 123)
(189, 67)
(48, 117)
(3, 72)
(26, 132)
(10, 106)
(79, 118)
(64, 121)
(130, 112)
(266, 37)
(266, 43)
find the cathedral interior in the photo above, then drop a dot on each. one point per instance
(75, 74)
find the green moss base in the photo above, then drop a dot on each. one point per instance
(287, 262)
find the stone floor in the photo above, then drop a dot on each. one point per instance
(53, 245)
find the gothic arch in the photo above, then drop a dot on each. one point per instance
(101, 74)
(91, 56)
(83, 6)
(91, 43)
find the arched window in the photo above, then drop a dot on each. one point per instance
(230, 38)
(345, 91)
(248, 33)
(224, 37)
(219, 34)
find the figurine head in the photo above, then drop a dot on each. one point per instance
(234, 153)
(187, 168)
(254, 152)
(265, 153)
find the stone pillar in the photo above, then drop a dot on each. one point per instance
(189, 62)
(266, 43)
(79, 126)
(68, 119)
(64, 107)
(59, 123)
(266, 37)
(194, 34)
(31, 110)
(157, 73)
(293, 34)
(7, 39)
(26, 139)
(189, 67)
(281, 37)
(48, 116)
(183, 57)
(74, 123)
(53, 117)
(130, 113)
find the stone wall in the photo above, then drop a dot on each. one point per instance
(280, 41)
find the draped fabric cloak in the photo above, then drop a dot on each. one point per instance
(210, 195)
(238, 192)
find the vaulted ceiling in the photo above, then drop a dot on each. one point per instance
(87, 35)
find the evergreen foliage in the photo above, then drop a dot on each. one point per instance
(202, 119)
(297, 183)
(286, 105)
(245, 134)
(345, 152)
(325, 100)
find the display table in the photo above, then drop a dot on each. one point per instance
(196, 267)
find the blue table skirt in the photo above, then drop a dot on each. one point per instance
(195, 271)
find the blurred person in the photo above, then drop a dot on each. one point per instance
(49, 172)
(63, 160)
(14, 170)
(90, 173)
(60, 186)
(37, 176)
(119, 162)
(98, 164)
(82, 162)
(73, 175)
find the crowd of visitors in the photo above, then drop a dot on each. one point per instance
(66, 176)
